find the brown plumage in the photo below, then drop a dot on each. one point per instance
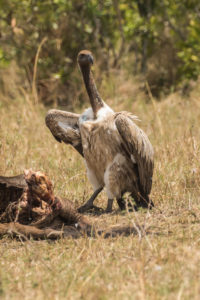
(138, 145)
(118, 154)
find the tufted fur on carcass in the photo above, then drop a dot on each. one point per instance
(29, 209)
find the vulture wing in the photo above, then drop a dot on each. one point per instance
(138, 147)
(64, 127)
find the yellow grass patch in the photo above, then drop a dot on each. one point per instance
(161, 262)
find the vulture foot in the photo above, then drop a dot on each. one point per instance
(109, 206)
(89, 204)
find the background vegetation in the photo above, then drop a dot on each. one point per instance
(141, 47)
(158, 40)
(162, 261)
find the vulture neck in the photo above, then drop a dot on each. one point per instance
(95, 99)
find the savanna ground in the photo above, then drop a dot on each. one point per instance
(163, 260)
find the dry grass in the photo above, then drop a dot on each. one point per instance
(161, 262)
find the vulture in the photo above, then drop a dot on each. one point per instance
(117, 153)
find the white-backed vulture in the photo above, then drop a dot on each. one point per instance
(117, 153)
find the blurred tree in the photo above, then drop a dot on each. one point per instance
(162, 37)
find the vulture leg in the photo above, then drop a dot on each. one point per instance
(121, 203)
(109, 206)
(64, 127)
(89, 204)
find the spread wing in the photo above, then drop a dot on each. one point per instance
(64, 127)
(138, 147)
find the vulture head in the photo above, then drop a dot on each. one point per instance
(85, 58)
(85, 61)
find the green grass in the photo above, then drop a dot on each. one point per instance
(161, 262)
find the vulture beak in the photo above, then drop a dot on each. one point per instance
(91, 59)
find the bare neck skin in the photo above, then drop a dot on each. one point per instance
(95, 99)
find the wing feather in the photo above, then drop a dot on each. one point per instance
(64, 127)
(137, 144)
